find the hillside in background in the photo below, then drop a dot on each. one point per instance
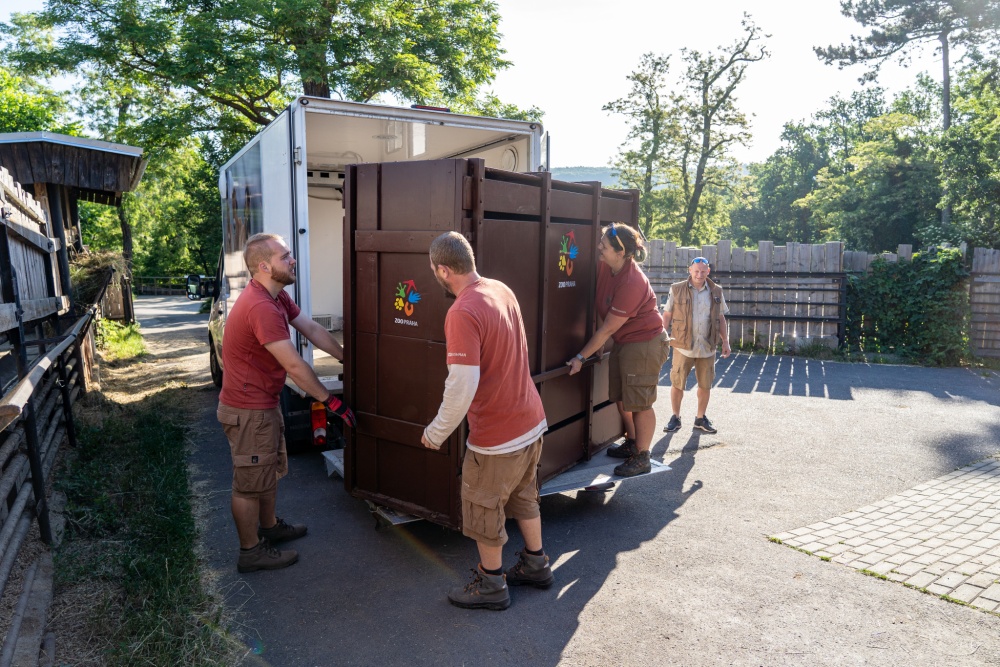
(603, 174)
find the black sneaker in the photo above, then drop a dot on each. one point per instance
(624, 450)
(282, 532)
(705, 425)
(635, 465)
(673, 425)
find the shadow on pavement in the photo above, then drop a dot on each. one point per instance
(796, 376)
(364, 596)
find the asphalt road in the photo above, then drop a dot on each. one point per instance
(672, 569)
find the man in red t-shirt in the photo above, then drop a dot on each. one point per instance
(490, 382)
(257, 353)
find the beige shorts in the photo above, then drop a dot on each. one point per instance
(257, 444)
(635, 372)
(498, 486)
(704, 370)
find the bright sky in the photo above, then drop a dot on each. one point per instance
(570, 57)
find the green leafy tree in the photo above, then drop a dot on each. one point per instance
(970, 164)
(678, 151)
(711, 122)
(767, 207)
(248, 57)
(644, 159)
(888, 190)
(897, 26)
(26, 106)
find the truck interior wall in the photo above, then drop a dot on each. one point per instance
(326, 256)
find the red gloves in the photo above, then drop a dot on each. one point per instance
(339, 408)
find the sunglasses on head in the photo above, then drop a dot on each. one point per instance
(613, 234)
(699, 260)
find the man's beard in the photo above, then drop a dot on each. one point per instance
(283, 277)
(448, 294)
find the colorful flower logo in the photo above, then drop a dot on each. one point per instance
(406, 296)
(568, 250)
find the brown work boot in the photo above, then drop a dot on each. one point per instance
(530, 570)
(637, 464)
(485, 591)
(265, 557)
(624, 450)
(282, 532)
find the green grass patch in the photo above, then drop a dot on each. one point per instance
(130, 525)
(120, 341)
(205, 307)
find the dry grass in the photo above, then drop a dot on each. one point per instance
(91, 604)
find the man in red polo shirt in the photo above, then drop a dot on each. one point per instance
(257, 353)
(489, 380)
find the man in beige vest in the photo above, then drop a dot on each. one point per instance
(695, 318)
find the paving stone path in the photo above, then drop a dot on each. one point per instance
(942, 537)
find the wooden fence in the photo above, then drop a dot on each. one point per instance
(52, 357)
(794, 295)
(984, 299)
(790, 296)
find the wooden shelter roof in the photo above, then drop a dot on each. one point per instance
(95, 170)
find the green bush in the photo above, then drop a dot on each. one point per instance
(120, 341)
(918, 310)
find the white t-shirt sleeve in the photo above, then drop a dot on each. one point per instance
(459, 390)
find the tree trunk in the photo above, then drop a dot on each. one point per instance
(647, 186)
(699, 176)
(945, 113)
(126, 238)
(311, 45)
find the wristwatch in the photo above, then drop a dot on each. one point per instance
(581, 358)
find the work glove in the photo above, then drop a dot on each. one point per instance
(339, 408)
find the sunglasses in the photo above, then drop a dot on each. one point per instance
(699, 260)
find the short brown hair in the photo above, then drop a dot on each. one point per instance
(627, 238)
(258, 249)
(451, 249)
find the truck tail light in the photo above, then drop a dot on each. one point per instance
(318, 415)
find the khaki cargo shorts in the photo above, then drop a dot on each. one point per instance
(498, 486)
(704, 370)
(257, 444)
(635, 372)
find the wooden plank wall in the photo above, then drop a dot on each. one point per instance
(769, 288)
(768, 300)
(984, 299)
(32, 252)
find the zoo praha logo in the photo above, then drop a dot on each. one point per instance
(406, 296)
(568, 250)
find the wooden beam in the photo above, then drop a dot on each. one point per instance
(43, 243)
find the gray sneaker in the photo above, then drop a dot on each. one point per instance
(624, 450)
(705, 425)
(673, 425)
(282, 532)
(635, 465)
(485, 591)
(530, 570)
(265, 557)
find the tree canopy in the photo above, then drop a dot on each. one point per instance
(248, 57)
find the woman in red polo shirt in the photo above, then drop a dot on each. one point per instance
(626, 304)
